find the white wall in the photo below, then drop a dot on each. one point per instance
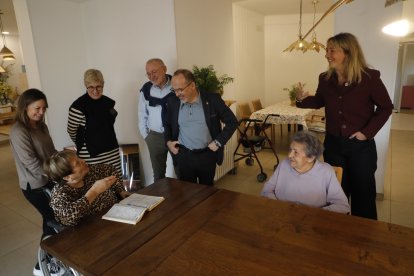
(262, 68)
(286, 68)
(59, 46)
(116, 37)
(365, 20)
(119, 40)
(120, 37)
(205, 36)
(408, 14)
(28, 51)
(249, 54)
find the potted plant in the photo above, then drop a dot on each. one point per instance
(5, 89)
(292, 91)
(207, 80)
(5, 92)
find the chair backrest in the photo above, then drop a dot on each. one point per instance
(257, 105)
(316, 121)
(245, 110)
(338, 172)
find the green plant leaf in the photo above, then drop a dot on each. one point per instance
(207, 80)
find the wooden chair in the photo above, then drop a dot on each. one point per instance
(338, 172)
(316, 121)
(245, 110)
(257, 105)
(244, 113)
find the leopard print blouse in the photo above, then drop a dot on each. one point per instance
(70, 204)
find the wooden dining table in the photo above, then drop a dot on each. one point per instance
(202, 230)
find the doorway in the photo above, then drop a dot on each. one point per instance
(404, 85)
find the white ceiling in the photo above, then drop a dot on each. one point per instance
(8, 17)
(270, 7)
(77, 1)
(265, 7)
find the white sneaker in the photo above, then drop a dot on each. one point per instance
(37, 271)
(55, 269)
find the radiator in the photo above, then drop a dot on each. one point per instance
(229, 148)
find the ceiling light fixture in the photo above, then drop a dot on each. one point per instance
(398, 28)
(328, 11)
(300, 44)
(5, 52)
(315, 45)
(391, 2)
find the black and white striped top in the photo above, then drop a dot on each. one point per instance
(77, 124)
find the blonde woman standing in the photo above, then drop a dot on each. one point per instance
(357, 106)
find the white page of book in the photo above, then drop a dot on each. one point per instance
(125, 213)
(146, 201)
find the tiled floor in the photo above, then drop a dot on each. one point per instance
(20, 222)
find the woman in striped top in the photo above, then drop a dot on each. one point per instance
(91, 123)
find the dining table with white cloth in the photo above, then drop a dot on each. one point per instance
(286, 114)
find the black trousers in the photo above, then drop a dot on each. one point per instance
(40, 201)
(197, 167)
(359, 162)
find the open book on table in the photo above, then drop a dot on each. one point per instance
(131, 209)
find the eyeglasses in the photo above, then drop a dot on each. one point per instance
(153, 72)
(98, 88)
(180, 90)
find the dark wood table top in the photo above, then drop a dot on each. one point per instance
(200, 230)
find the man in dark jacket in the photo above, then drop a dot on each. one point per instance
(193, 129)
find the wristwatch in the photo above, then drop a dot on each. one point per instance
(217, 143)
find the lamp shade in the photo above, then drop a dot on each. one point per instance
(6, 51)
(9, 57)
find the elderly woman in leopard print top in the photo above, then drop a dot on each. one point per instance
(81, 189)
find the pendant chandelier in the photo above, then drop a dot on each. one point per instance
(301, 44)
(5, 52)
(315, 45)
(391, 2)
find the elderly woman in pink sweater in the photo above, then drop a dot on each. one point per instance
(302, 178)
